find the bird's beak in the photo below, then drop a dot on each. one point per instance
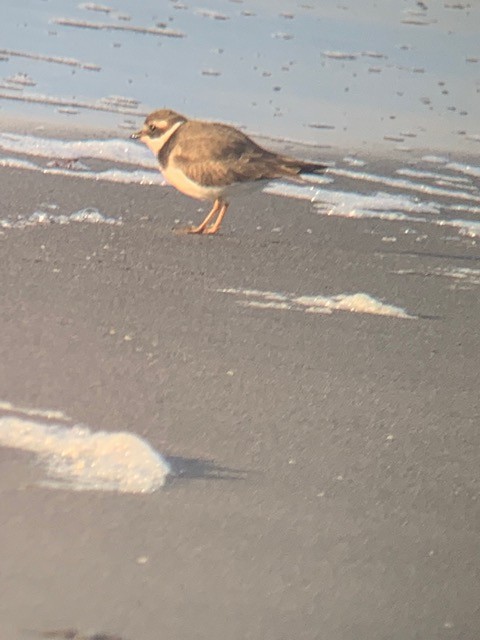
(137, 134)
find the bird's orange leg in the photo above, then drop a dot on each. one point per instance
(201, 227)
(216, 225)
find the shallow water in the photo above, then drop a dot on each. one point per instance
(431, 190)
(394, 75)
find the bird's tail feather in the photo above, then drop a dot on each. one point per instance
(293, 167)
(312, 167)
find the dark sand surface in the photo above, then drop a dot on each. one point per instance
(328, 463)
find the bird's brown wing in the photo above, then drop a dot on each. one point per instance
(222, 155)
(217, 173)
(218, 155)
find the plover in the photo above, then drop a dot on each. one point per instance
(211, 161)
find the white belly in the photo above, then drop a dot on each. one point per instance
(179, 180)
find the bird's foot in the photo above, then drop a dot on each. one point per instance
(197, 230)
(209, 231)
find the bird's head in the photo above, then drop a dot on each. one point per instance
(158, 124)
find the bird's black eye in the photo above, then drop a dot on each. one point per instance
(152, 128)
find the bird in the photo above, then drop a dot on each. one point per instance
(212, 161)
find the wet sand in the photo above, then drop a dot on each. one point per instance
(326, 465)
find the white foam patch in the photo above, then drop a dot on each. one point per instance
(71, 62)
(435, 159)
(313, 179)
(84, 24)
(22, 79)
(209, 13)
(340, 55)
(110, 175)
(354, 302)
(91, 6)
(42, 98)
(115, 150)
(301, 191)
(470, 228)
(464, 207)
(38, 413)
(381, 206)
(417, 173)
(354, 162)
(399, 183)
(345, 202)
(463, 275)
(89, 215)
(467, 169)
(15, 163)
(79, 459)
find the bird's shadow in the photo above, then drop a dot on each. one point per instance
(195, 468)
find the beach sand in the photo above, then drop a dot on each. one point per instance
(271, 434)
(325, 465)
